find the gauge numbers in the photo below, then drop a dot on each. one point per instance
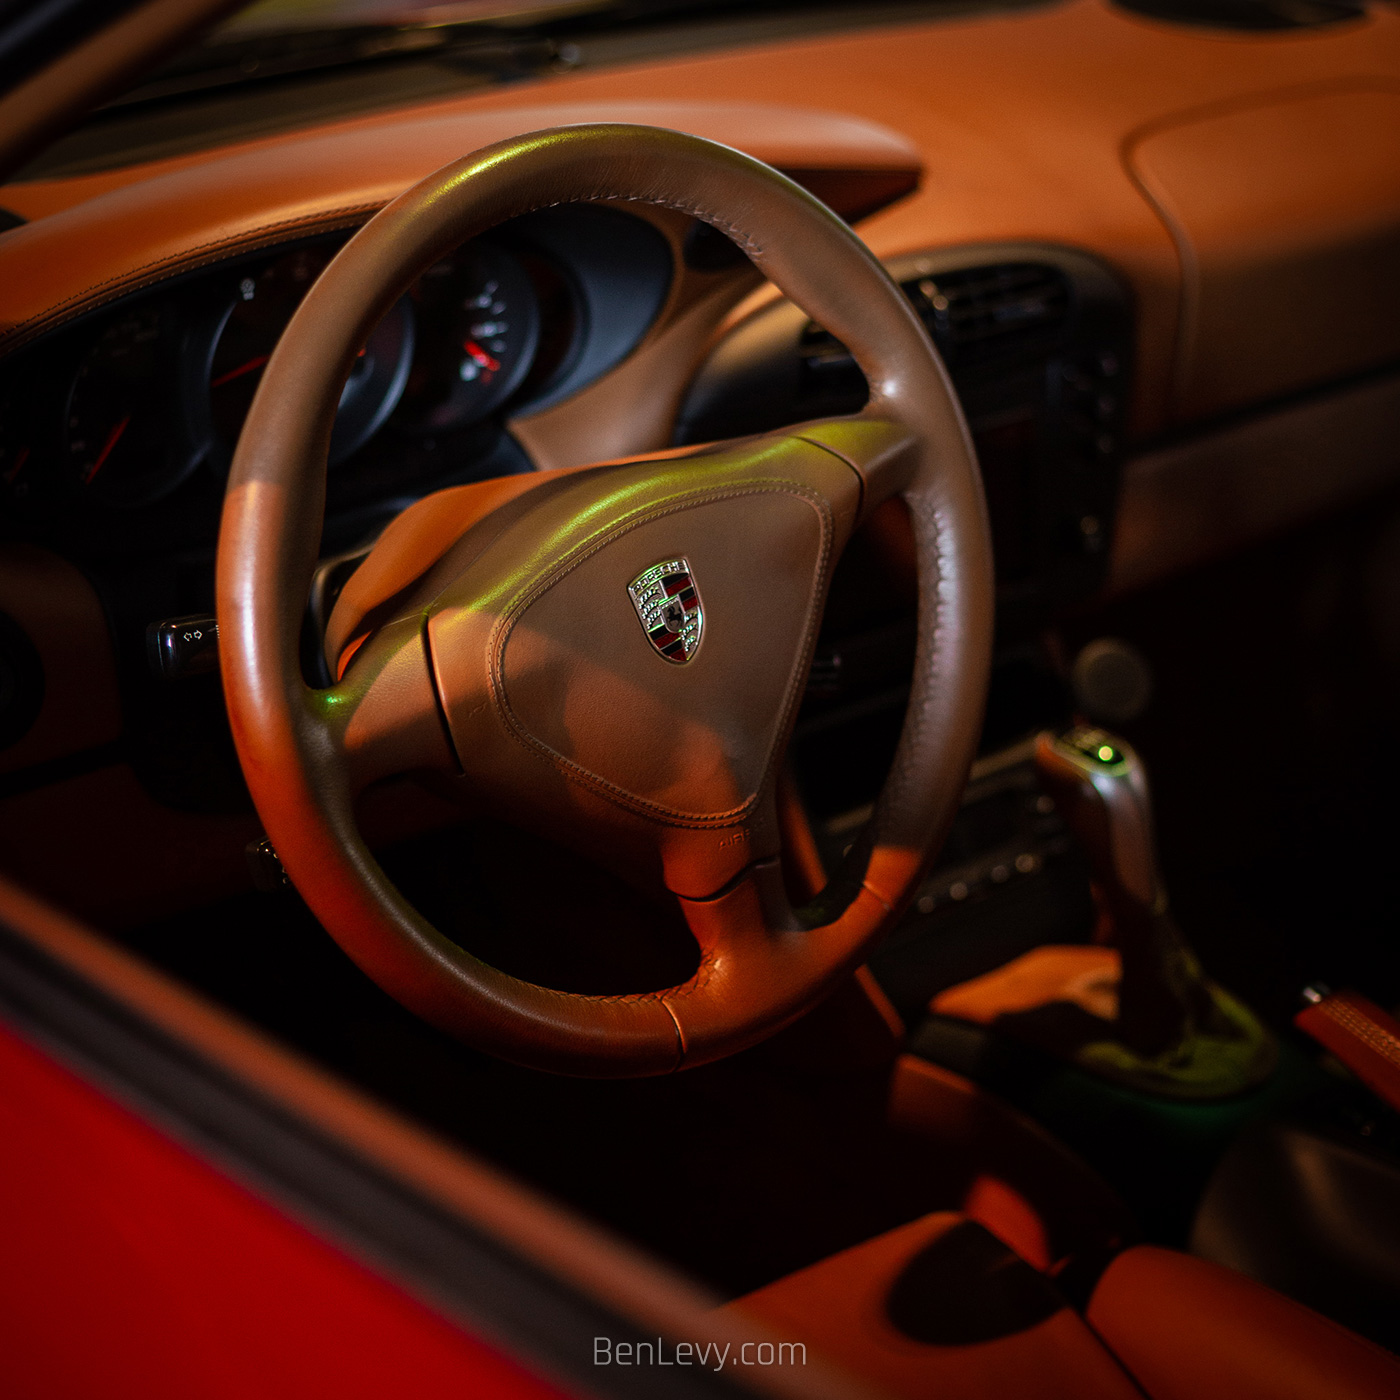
(479, 326)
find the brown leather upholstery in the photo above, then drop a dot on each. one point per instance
(1023, 1185)
(513, 657)
(937, 1308)
(1053, 974)
(1190, 1330)
(990, 1328)
(1362, 1035)
(1286, 211)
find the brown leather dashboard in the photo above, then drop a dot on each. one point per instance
(1177, 155)
(187, 213)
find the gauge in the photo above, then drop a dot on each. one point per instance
(478, 330)
(253, 325)
(123, 439)
(20, 473)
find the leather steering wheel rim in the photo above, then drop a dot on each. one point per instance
(470, 669)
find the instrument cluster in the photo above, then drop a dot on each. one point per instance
(126, 422)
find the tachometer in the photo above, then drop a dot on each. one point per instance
(478, 329)
(252, 327)
(122, 444)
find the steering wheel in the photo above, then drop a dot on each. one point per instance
(610, 655)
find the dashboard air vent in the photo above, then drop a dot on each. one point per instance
(977, 315)
(988, 313)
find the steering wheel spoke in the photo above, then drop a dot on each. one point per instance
(881, 450)
(760, 967)
(752, 910)
(382, 718)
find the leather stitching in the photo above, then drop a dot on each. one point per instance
(111, 289)
(932, 527)
(1375, 1038)
(740, 236)
(696, 982)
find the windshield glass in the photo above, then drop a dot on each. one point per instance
(283, 64)
(269, 16)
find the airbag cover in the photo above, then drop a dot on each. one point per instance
(579, 679)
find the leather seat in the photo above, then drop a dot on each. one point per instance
(1190, 1330)
(941, 1308)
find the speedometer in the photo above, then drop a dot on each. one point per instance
(251, 328)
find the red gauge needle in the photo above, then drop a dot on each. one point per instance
(21, 457)
(257, 362)
(113, 438)
(480, 356)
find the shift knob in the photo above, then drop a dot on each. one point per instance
(1100, 786)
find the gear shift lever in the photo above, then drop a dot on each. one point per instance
(1099, 785)
(1137, 1008)
(1167, 1007)
(1100, 788)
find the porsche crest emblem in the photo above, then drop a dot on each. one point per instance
(668, 606)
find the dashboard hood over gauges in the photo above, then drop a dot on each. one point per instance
(187, 212)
